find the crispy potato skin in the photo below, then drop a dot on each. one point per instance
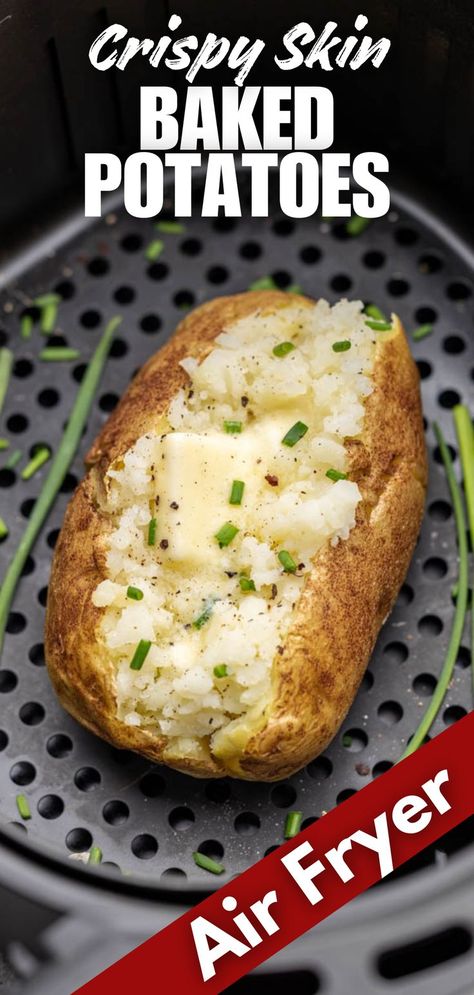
(347, 595)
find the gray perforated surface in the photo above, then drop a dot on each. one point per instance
(147, 819)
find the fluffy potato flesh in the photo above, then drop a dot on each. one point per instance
(216, 614)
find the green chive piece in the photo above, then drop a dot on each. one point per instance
(292, 824)
(294, 288)
(134, 593)
(45, 300)
(461, 601)
(61, 462)
(13, 459)
(372, 311)
(48, 318)
(58, 354)
(356, 225)
(41, 457)
(205, 614)
(263, 283)
(287, 562)
(3, 529)
(233, 427)
(95, 855)
(455, 590)
(342, 346)
(4, 444)
(379, 326)
(23, 807)
(6, 363)
(246, 583)
(140, 654)
(170, 227)
(294, 434)
(336, 475)
(421, 332)
(26, 326)
(151, 537)
(226, 534)
(283, 348)
(465, 436)
(236, 492)
(154, 249)
(347, 740)
(221, 670)
(207, 863)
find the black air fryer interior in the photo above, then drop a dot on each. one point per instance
(413, 934)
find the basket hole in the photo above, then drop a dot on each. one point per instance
(424, 954)
(32, 713)
(426, 315)
(115, 812)
(69, 484)
(144, 846)
(131, 243)
(7, 478)
(463, 660)
(36, 655)
(390, 712)
(310, 254)
(367, 681)
(65, 289)
(453, 713)
(212, 849)
(98, 266)
(458, 290)
(217, 274)
(43, 596)
(181, 818)
(381, 767)
(340, 283)
(440, 511)
(250, 250)
(118, 349)
(48, 398)
(437, 453)
(424, 685)
(184, 299)
(405, 595)
(453, 345)
(373, 259)
(430, 625)
(158, 271)
(29, 567)
(247, 823)
(124, 295)
(86, 778)
(8, 681)
(282, 278)
(173, 872)
(78, 372)
(283, 227)
(90, 319)
(448, 398)
(16, 623)
(22, 368)
(425, 368)
(50, 806)
(191, 247)
(321, 768)
(310, 821)
(218, 791)
(397, 287)
(3, 740)
(107, 402)
(22, 773)
(271, 849)
(354, 740)
(152, 785)
(406, 235)
(79, 840)
(17, 424)
(429, 263)
(224, 225)
(434, 568)
(283, 795)
(150, 323)
(59, 745)
(52, 538)
(344, 795)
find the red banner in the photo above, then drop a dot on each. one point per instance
(307, 878)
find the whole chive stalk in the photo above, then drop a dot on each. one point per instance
(154, 249)
(246, 584)
(221, 671)
(151, 535)
(226, 534)
(6, 363)
(421, 332)
(356, 225)
(134, 593)
(465, 436)
(233, 427)
(49, 314)
(140, 654)
(4, 444)
(207, 864)
(372, 311)
(283, 348)
(23, 807)
(236, 492)
(41, 457)
(170, 227)
(263, 283)
(292, 824)
(343, 346)
(26, 326)
(336, 475)
(294, 434)
(461, 602)
(379, 326)
(58, 354)
(3, 529)
(287, 561)
(59, 467)
(95, 855)
(46, 300)
(13, 459)
(204, 615)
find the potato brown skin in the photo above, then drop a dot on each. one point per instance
(346, 596)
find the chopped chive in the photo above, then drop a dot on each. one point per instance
(263, 283)
(205, 614)
(46, 300)
(465, 436)
(356, 225)
(236, 492)
(58, 354)
(4, 444)
(26, 326)
(221, 670)
(372, 311)
(3, 529)
(233, 427)
(226, 534)
(455, 590)
(379, 326)
(283, 348)
(48, 318)
(170, 227)
(336, 474)
(40, 457)
(294, 288)
(461, 602)
(294, 434)
(341, 346)
(134, 593)
(154, 249)
(64, 454)
(287, 562)
(95, 855)
(292, 824)
(151, 536)
(13, 459)
(6, 363)
(347, 740)
(23, 807)
(246, 583)
(140, 654)
(207, 863)
(420, 333)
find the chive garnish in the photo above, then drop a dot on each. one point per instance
(207, 863)
(294, 434)
(65, 452)
(461, 602)
(236, 492)
(26, 326)
(263, 283)
(140, 654)
(356, 225)
(4, 444)
(205, 614)
(49, 314)
(226, 534)
(246, 583)
(42, 455)
(347, 740)
(420, 333)
(95, 855)
(46, 300)
(341, 346)
(221, 670)
(58, 354)
(154, 249)
(23, 807)
(233, 427)
(6, 363)
(465, 437)
(170, 227)
(3, 529)
(151, 536)
(336, 474)
(292, 824)
(294, 288)
(134, 593)
(13, 459)
(283, 348)
(379, 326)
(372, 311)
(287, 562)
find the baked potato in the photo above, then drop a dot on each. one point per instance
(247, 518)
